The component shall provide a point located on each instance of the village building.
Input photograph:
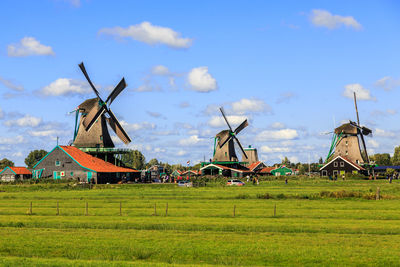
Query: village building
(282, 170)
(256, 166)
(266, 171)
(11, 174)
(340, 166)
(176, 173)
(69, 162)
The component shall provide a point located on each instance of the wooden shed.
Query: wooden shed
(10, 174)
(340, 166)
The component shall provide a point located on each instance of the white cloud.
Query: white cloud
(372, 143)
(160, 70)
(150, 34)
(29, 46)
(218, 121)
(44, 133)
(12, 140)
(11, 85)
(137, 126)
(159, 150)
(277, 125)
(181, 153)
(64, 86)
(323, 18)
(267, 149)
(387, 83)
(201, 81)
(383, 133)
(361, 92)
(249, 105)
(285, 97)
(147, 87)
(284, 134)
(26, 121)
(191, 140)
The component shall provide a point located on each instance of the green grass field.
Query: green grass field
(317, 222)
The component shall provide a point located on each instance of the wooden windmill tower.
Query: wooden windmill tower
(91, 133)
(348, 141)
(224, 147)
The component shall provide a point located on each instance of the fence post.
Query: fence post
(155, 209)
(275, 210)
(58, 209)
(30, 209)
(378, 193)
(166, 210)
(234, 210)
(120, 208)
(87, 208)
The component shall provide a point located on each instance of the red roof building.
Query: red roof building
(69, 162)
(9, 174)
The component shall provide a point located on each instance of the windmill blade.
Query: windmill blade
(226, 141)
(355, 104)
(241, 126)
(223, 114)
(365, 148)
(240, 145)
(82, 67)
(117, 90)
(117, 128)
(92, 117)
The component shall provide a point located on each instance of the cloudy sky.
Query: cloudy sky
(290, 67)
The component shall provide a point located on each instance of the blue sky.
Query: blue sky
(287, 66)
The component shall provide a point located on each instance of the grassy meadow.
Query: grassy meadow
(304, 222)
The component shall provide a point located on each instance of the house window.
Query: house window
(335, 173)
(342, 164)
(58, 163)
(324, 173)
(347, 142)
(72, 173)
(101, 137)
(347, 152)
(335, 164)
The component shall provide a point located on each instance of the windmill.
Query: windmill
(348, 140)
(95, 113)
(224, 147)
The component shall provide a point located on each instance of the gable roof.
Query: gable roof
(267, 169)
(358, 167)
(18, 170)
(92, 163)
(255, 165)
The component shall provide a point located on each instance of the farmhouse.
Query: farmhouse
(69, 162)
(10, 174)
(340, 166)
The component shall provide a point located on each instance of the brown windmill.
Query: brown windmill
(92, 131)
(224, 147)
(348, 141)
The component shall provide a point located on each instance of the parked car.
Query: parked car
(185, 183)
(235, 182)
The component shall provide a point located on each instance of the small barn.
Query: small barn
(282, 170)
(69, 162)
(11, 174)
(266, 171)
(340, 166)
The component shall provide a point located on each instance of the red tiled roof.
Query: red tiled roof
(267, 169)
(254, 165)
(93, 163)
(20, 170)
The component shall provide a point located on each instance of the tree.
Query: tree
(134, 159)
(381, 159)
(396, 156)
(34, 157)
(153, 162)
(286, 162)
(320, 161)
(6, 163)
